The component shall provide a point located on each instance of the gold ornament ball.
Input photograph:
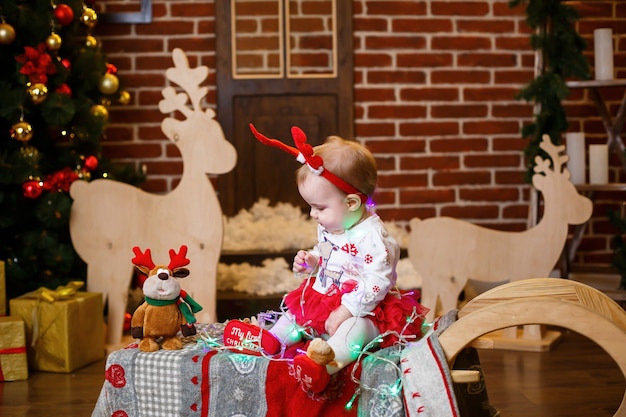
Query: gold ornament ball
(99, 112)
(108, 84)
(22, 131)
(53, 42)
(7, 34)
(38, 92)
(124, 97)
(91, 41)
(89, 17)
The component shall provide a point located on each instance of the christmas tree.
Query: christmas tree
(55, 89)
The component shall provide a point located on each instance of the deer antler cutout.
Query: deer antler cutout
(555, 152)
(188, 79)
(178, 259)
(173, 101)
(143, 259)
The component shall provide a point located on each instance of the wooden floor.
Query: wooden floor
(575, 378)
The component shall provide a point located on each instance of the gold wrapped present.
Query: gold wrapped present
(3, 291)
(13, 362)
(64, 327)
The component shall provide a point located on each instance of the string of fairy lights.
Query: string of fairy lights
(212, 341)
(303, 332)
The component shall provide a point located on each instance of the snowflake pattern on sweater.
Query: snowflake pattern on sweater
(360, 263)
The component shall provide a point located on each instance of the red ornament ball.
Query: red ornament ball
(32, 189)
(111, 69)
(66, 63)
(91, 163)
(64, 89)
(63, 14)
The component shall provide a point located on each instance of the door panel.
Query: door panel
(320, 104)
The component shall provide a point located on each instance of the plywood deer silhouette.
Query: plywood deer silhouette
(447, 252)
(109, 218)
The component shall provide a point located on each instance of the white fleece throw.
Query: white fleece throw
(428, 390)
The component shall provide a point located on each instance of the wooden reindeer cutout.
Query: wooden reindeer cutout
(447, 252)
(109, 218)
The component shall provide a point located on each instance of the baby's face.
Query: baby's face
(328, 204)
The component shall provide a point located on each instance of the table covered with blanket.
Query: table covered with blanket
(411, 380)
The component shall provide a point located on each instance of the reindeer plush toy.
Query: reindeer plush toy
(167, 308)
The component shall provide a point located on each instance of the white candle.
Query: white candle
(575, 147)
(603, 53)
(598, 164)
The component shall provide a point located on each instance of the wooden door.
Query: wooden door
(280, 63)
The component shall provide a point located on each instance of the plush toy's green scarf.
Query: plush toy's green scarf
(186, 305)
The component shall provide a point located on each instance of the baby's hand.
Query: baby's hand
(304, 262)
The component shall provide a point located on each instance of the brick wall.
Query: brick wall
(434, 100)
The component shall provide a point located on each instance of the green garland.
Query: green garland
(561, 47)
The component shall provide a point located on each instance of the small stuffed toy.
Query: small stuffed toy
(320, 352)
(311, 367)
(167, 308)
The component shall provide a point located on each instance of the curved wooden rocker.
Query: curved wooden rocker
(549, 301)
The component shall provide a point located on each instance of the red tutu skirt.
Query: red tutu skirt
(399, 313)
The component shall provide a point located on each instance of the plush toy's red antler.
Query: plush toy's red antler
(178, 259)
(143, 259)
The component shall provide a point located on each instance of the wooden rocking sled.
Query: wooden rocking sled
(546, 301)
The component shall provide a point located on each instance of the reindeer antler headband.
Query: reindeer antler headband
(303, 152)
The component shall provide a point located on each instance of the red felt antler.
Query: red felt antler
(273, 142)
(143, 259)
(313, 161)
(305, 154)
(178, 259)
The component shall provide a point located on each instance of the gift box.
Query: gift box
(13, 362)
(3, 291)
(64, 327)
